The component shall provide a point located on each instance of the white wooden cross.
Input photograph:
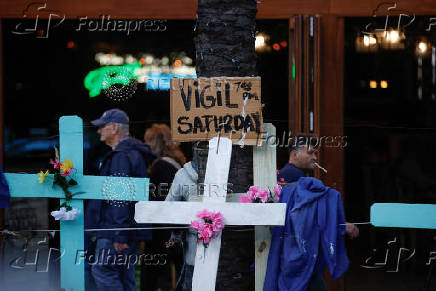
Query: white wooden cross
(217, 169)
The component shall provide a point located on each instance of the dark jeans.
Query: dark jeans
(155, 274)
(114, 271)
(89, 280)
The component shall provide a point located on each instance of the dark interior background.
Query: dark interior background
(389, 157)
(43, 80)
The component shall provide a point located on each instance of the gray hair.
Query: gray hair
(123, 128)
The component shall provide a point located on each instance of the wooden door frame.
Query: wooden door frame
(328, 101)
(332, 109)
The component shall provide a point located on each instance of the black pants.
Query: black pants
(152, 274)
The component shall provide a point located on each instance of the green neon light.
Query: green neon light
(102, 78)
(293, 71)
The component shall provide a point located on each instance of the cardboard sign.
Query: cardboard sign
(204, 108)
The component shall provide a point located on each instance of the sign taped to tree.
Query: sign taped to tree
(202, 108)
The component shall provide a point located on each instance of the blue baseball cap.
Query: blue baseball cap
(113, 115)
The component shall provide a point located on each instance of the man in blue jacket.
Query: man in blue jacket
(311, 239)
(302, 156)
(129, 158)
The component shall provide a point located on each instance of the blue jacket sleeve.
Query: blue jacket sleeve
(337, 263)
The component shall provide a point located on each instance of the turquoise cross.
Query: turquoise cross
(403, 215)
(71, 234)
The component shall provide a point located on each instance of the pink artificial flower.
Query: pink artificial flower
(208, 226)
(277, 191)
(254, 189)
(207, 230)
(217, 221)
(253, 192)
(56, 164)
(197, 224)
(264, 195)
(245, 199)
(216, 216)
(205, 234)
(206, 239)
(204, 214)
(67, 172)
(217, 225)
(252, 195)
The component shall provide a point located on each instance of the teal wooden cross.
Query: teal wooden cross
(403, 215)
(71, 232)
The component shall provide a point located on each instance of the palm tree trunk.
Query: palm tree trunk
(225, 47)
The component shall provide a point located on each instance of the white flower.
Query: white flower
(63, 214)
(58, 214)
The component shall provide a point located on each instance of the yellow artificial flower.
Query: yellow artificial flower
(66, 165)
(42, 176)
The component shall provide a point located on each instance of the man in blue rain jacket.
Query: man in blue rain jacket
(311, 239)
